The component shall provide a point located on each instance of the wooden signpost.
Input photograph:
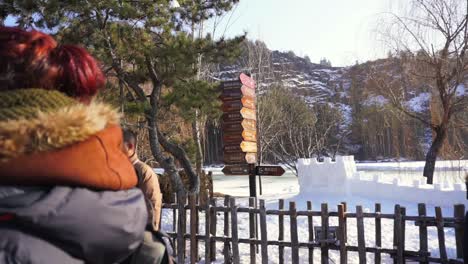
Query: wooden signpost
(240, 131)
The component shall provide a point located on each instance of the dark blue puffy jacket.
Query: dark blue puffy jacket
(69, 225)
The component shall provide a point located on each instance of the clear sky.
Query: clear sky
(343, 31)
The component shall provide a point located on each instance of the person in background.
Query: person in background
(67, 188)
(147, 180)
(153, 249)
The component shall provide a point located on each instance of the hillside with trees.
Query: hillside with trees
(366, 123)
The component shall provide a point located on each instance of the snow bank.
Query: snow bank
(413, 165)
(342, 177)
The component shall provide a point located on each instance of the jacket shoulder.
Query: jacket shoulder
(19, 247)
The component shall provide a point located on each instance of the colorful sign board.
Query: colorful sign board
(239, 121)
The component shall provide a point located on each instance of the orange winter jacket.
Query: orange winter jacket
(79, 145)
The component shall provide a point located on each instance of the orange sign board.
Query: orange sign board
(248, 146)
(249, 124)
(248, 102)
(248, 113)
(251, 158)
(248, 91)
(249, 135)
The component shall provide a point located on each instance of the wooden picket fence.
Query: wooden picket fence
(257, 213)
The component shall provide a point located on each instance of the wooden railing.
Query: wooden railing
(257, 214)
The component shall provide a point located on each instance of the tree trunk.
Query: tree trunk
(175, 150)
(431, 156)
(196, 133)
(166, 162)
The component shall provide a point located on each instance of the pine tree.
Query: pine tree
(142, 42)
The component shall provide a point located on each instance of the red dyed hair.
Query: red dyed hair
(32, 59)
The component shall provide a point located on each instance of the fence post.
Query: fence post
(441, 235)
(324, 244)
(342, 234)
(213, 222)
(459, 215)
(263, 231)
(227, 245)
(181, 229)
(281, 231)
(235, 237)
(403, 228)
(207, 231)
(398, 258)
(378, 233)
(252, 229)
(423, 248)
(311, 232)
(193, 230)
(360, 234)
(294, 236)
(345, 208)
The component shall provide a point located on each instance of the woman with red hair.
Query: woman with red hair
(66, 187)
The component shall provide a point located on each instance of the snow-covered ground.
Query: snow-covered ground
(286, 187)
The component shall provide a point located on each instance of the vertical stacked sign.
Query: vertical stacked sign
(239, 125)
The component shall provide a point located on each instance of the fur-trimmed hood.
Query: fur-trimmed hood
(55, 129)
(72, 145)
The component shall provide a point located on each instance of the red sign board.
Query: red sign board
(231, 84)
(232, 117)
(232, 148)
(234, 93)
(231, 95)
(240, 158)
(245, 124)
(232, 138)
(231, 106)
(244, 113)
(247, 81)
(236, 170)
(270, 170)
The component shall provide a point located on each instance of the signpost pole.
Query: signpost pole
(252, 180)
